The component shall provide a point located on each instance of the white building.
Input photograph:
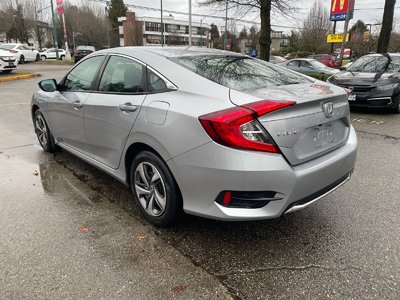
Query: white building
(176, 32)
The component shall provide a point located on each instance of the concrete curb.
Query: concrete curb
(18, 77)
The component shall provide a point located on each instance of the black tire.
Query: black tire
(62, 57)
(43, 57)
(166, 186)
(43, 133)
(396, 108)
(22, 59)
(37, 57)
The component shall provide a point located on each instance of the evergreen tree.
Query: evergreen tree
(117, 9)
(18, 30)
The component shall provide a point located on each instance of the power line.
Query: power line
(196, 14)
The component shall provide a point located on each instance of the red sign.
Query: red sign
(60, 10)
(339, 9)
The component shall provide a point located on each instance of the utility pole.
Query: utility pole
(346, 26)
(334, 31)
(54, 29)
(190, 23)
(162, 27)
(226, 24)
(107, 24)
(68, 55)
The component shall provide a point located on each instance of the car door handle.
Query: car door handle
(77, 104)
(127, 107)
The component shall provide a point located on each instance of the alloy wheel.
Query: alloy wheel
(150, 189)
(41, 130)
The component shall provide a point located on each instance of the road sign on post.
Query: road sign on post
(336, 38)
(339, 10)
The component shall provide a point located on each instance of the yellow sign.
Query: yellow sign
(336, 38)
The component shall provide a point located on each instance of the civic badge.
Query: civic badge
(328, 109)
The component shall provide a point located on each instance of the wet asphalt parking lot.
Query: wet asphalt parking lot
(68, 230)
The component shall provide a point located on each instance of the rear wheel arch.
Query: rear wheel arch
(130, 154)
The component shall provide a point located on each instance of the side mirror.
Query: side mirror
(48, 85)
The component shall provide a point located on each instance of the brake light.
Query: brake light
(238, 127)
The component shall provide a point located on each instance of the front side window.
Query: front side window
(122, 75)
(82, 77)
(239, 72)
(293, 63)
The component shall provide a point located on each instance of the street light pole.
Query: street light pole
(190, 23)
(226, 24)
(162, 27)
(55, 43)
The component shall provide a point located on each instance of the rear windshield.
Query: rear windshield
(376, 64)
(239, 72)
(90, 48)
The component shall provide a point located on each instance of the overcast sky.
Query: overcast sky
(370, 11)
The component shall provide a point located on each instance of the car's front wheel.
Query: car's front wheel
(22, 59)
(155, 190)
(43, 57)
(43, 133)
(62, 57)
(37, 57)
(396, 108)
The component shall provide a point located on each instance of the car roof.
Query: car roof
(170, 51)
(305, 59)
(378, 54)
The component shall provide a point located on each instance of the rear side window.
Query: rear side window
(122, 75)
(154, 82)
(239, 72)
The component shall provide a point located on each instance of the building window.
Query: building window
(153, 26)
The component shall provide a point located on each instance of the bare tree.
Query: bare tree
(6, 10)
(387, 23)
(315, 28)
(37, 14)
(263, 8)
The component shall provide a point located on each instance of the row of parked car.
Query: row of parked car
(13, 54)
(371, 81)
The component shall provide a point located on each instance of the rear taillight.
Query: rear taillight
(238, 127)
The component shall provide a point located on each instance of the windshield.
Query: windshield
(7, 46)
(239, 72)
(375, 64)
(318, 64)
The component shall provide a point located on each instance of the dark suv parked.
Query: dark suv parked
(81, 51)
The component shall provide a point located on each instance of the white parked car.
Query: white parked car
(51, 54)
(7, 62)
(21, 52)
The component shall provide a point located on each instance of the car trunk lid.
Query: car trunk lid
(306, 130)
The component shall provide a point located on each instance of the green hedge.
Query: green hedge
(322, 77)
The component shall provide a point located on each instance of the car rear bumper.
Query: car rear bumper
(203, 173)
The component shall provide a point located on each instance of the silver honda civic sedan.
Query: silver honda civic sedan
(201, 131)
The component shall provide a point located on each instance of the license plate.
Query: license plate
(352, 97)
(323, 135)
(11, 64)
